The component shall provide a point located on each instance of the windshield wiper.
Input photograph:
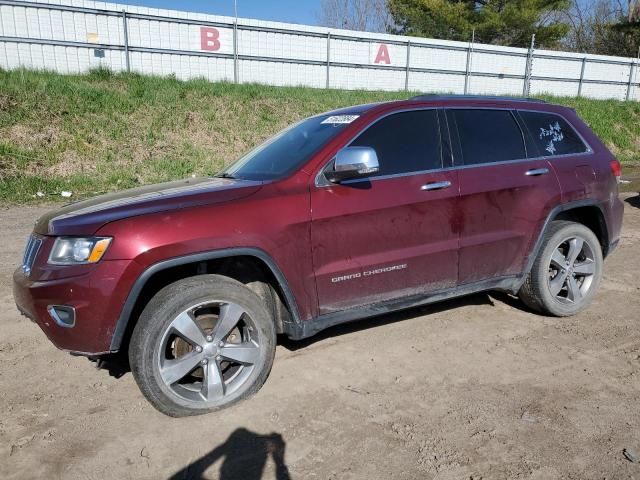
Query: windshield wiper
(224, 175)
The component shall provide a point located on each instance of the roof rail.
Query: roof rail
(436, 96)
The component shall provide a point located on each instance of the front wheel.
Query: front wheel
(567, 271)
(202, 344)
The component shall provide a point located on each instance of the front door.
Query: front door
(393, 234)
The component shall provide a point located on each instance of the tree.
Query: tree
(607, 27)
(627, 37)
(364, 15)
(500, 22)
(628, 30)
(589, 25)
(633, 11)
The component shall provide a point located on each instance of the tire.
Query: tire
(563, 281)
(202, 344)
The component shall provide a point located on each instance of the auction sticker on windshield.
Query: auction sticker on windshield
(335, 119)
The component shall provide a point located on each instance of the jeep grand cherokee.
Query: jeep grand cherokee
(342, 216)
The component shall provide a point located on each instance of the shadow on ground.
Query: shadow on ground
(633, 201)
(483, 298)
(118, 365)
(244, 455)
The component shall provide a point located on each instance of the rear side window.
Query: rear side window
(552, 134)
(404, 142)
(487, 136)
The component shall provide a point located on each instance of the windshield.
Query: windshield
(289, 149)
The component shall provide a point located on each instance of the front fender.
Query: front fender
(127, 309)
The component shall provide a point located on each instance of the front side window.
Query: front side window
(487, 136)
(405, 142)
(289, 149)
(552, 134)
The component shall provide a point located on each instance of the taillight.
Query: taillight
(616, 169)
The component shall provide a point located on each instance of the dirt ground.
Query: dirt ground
(476, 388)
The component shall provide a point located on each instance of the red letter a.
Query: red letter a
(383, 55)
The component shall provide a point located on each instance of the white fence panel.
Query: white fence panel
(557, 67)
(558, 88)
(72, 36)
(282, 74)
(424, 56)
(603, 92)
(436, 82)
(499, 63)
(496, 86)
(278, 45)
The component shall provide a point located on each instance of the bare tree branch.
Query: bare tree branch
(593, 26)
(364, 15)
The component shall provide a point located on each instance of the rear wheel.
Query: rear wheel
(202, 344)
(567, 271)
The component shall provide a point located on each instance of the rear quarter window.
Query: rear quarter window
(552, 135)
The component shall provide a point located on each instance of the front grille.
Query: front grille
(30, 252)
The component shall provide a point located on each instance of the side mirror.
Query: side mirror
(353, 162)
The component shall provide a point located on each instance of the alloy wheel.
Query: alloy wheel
(571, 270)
(208, 351)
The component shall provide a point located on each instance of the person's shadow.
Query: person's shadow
(633, 201)
(245, 456)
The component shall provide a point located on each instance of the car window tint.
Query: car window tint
(404, 142)
(487, 135)
(552, 134)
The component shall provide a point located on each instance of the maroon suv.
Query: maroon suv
(342, 216)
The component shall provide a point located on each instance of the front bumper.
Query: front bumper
(97, 298)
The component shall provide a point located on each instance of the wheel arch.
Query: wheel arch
(586, 212)
(162, 273)
(592, 217)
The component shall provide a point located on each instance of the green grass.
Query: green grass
(101, 132)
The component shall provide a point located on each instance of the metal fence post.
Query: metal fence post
(527, 72)
(328, 57)
(631, 72)
(584, 63)
(126, 39)
(235, 50)
(406, 74)
(467, 73)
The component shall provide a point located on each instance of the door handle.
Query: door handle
(436, 186)
(536, 172)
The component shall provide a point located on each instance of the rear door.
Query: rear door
(504, 195)
(391, 235)
(572, 160)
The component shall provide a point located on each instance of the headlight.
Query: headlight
(74, 251)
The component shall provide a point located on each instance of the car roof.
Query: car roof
(491, 98)
(446, 100)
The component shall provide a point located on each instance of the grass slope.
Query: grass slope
(100, 132)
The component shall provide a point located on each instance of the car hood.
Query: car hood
(87, 216)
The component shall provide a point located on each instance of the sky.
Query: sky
(291, 11)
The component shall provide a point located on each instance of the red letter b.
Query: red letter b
(209, 39)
